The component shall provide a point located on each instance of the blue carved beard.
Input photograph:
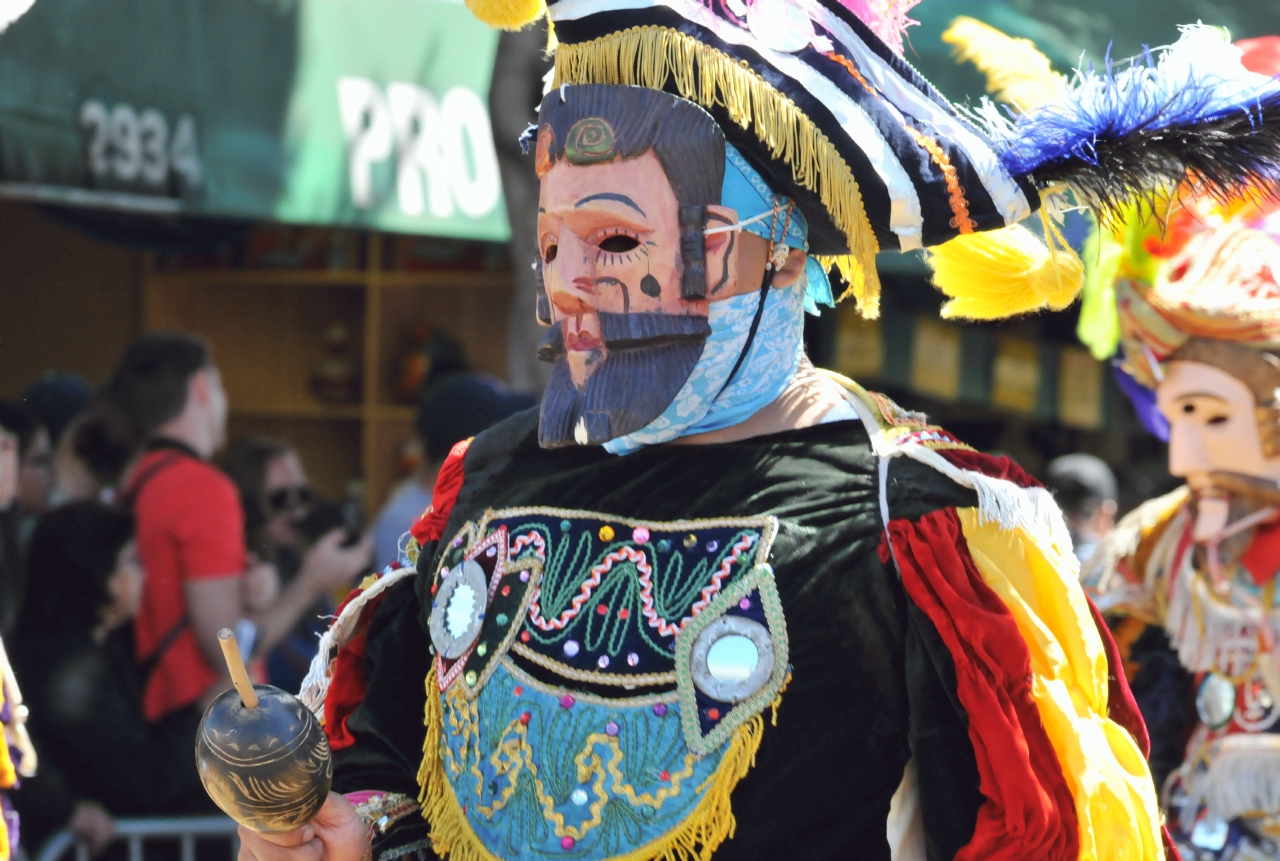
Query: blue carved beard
(650, 357)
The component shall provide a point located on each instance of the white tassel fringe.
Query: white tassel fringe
(316, 684)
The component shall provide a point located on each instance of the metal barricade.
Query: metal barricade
(185, 830)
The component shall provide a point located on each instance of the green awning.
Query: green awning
(361, 113)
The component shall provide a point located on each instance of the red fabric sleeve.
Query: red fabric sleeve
(430, 526)
(208, 522)
(1029, 811)
(1121, 706)
(990, 465)
(350, 678)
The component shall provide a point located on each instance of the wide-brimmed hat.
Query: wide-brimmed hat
(814, 96)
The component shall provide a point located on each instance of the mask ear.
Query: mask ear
(721, 252)
(693, 273)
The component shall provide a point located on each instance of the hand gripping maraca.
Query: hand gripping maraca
(262, 756)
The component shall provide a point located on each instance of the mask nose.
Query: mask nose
(1188, 454)
(570, 278)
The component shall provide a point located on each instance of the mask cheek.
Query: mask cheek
(621, 288)
(1235, 444)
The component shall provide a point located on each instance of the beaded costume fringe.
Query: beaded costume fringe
(650, 56)
(696, 839)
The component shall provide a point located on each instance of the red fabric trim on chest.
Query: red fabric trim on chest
(1028, 810)
(430, 526)
(1262, 559)
(990, 465)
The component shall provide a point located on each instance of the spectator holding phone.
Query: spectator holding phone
(190, 528)
(291, 529)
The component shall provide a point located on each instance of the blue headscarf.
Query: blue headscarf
(705, 403)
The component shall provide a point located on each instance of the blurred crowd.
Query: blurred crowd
(132, 531)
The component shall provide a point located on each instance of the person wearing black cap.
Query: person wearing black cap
(456, 406)
(1085, 489)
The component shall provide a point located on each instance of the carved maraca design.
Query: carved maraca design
(262, 756)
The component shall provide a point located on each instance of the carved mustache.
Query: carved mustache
(631, 331)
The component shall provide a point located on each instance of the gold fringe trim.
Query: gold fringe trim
(651, 56)
(695, 839)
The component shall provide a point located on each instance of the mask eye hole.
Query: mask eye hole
(619, 244)
(550, 253)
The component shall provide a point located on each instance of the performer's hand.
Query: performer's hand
(336, 833)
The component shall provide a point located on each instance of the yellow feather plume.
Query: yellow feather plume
(507, 14)
(1005, 272)
(1017, 73)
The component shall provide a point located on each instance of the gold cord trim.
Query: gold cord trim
(651, 56)
(696, 838)
(955, 192)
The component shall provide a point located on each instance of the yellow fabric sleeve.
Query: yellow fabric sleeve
(8, 776)
(1109, 779)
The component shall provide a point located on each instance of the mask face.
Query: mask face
(1212, 425)
(622, 338)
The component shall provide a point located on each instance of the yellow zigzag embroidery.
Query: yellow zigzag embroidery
(709, 824)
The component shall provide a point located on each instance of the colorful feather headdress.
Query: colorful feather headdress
(1192, 265)
(817, 97)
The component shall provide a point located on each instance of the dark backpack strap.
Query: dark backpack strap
(130, 496)
(148, 666)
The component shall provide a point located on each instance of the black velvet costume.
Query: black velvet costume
(872, 684)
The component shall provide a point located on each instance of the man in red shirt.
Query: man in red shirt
(190, 529)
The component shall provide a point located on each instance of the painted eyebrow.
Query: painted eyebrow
(1210, 395)
(609, 195)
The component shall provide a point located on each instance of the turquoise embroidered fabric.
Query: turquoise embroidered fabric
(576, 720)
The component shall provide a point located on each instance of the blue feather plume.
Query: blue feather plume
(1130, 132)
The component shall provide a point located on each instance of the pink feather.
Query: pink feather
(886, 18)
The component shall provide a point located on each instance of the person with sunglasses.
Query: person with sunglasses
(281, 520)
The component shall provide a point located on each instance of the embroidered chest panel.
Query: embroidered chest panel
(599, 681)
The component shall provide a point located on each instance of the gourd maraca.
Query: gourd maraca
(262, 756)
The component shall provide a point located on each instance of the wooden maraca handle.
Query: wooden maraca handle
(235, 664)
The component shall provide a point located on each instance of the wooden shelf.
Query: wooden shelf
(338, 412)
(325, 278)
(267, 325)
(258, 277)
(463, 279)
(395, 412)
